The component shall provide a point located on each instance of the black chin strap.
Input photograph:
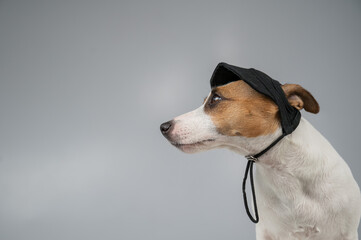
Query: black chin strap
(249, 169)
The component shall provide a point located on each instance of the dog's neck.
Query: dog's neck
(305, 141)
(292, 164)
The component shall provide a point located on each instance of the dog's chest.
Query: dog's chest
(283, 207)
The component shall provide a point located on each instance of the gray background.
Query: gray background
(85, 85)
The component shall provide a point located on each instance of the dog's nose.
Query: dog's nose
(165, 127)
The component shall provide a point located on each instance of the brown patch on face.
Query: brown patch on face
(242, 111)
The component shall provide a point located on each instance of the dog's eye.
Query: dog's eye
(215, 98)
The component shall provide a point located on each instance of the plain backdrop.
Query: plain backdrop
(84, 86)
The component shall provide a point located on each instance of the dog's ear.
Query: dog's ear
(300, 98)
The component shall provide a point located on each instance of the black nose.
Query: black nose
(165, 127)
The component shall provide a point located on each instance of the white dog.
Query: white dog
(304, 189)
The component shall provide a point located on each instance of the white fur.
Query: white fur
(305, 190)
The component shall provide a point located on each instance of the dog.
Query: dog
(304, 189)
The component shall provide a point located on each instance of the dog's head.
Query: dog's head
(230, 116)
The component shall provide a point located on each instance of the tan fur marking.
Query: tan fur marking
(243, 111)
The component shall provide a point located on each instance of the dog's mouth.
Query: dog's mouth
(195, 144)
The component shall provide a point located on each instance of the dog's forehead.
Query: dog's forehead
(235, 89)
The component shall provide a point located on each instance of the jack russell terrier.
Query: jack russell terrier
(304, 189)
